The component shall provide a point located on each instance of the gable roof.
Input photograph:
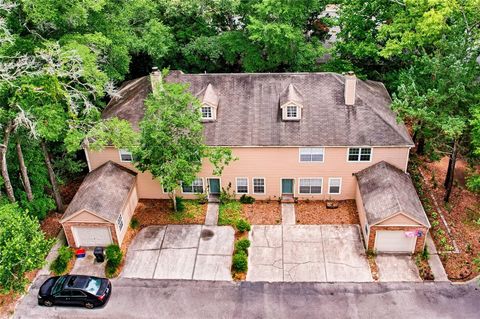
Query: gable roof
(387, 191)
(249, 114)
(103, 192)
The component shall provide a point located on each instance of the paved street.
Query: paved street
(139, 298)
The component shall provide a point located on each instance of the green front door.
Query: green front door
(287, 186)
(214, 185)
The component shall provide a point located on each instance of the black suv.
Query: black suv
(75, 290)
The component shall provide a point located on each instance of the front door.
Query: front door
(214, 185)
(287, 186)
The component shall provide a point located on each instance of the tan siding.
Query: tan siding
(86, 216)
(399, 220)
(273, 164)
(127, 213)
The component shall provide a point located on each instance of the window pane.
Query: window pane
(304, 182)
(206, 112)
(197, 185)
(353, 154)
(316, 189)
(317, 157)
(316, 182)
(242, 185)
(334, 185)
(291, 111)
(365, 154)
(334, 189)
(187, 188)
(335, 182)
(305, 157)
(305, 189)
(311, 154)
(125, 156)
(258, 185)
(120, 222)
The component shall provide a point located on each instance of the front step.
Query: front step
(213, 198)
(287, 199)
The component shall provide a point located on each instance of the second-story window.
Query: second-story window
(359, 154)
(311, 154)
(207, 113)
(125, 156)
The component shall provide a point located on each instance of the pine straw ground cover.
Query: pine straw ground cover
(462, 215)
(316, 213)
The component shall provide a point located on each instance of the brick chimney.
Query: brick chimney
(350, 88)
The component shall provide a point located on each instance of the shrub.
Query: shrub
(240, 262)
(114, 258)
(226, 195)
(245, 199)
(473, 183)
(180, 204)
(229, 213)
(242, 245)
(59, 265)
(134, 223)
(242, 225)
(202, 198)
(425, 254)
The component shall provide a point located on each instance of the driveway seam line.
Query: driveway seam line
(196, 254)
(283, 262)
(323, 252)
(159, 251)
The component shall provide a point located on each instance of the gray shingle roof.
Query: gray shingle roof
(387, 191)
(249, 111)
(103, 191)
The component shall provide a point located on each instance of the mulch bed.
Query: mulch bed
(160, 212)
(51, 224)
(373, 267)
(316, 212)
(458, 213)
(263, 212)
(69, 190)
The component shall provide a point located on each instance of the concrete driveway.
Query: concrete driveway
(181, 252)
(396, 268)
(320, 253)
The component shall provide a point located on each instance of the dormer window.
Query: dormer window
(292, 112)
(207, 112)
(291, 103)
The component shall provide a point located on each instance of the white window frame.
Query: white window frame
(264, 185)
(211, 112)
(312, 150)
(125, 152)
(330, 184)
(310, 178)
(236, 185)
(297, 113)
(359, 155)
(120, 222)
(192, 186)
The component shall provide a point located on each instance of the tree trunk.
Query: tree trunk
(24, 172)
(421, 146)
(174, 199)
(52, 177)
(3, 159)
(450, 172)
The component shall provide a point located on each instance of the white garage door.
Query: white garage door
(394, 242)
(92, 236)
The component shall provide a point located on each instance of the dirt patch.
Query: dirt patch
(51, 224)
(423, 266)
(316, 212)
(160, 212)
(69, 190)
(373, 266)
(263, 212)
(460, 215)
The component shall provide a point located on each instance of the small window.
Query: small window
(357, 154)
(292, 112)
(120, 222)
(259, 185)
(125, 156)
(310, 186)
(311, 154)
(334, 185)
(207, 112)
(196, 187)
(242, 185)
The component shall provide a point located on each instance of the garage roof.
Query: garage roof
(103, 192)
(387, 191)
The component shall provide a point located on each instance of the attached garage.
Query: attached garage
(101, 210)
(392, 217)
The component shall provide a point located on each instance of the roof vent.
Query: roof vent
(350, 88)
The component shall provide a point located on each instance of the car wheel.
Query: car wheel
(48, 303)
(89, 305)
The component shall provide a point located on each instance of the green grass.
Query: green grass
(229, 213)
(192, 209)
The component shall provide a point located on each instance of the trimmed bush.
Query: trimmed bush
(134, 223)
(59, 265)
(242, 245)
(114, 257)
(245, 199)
(242, 225)
(180, 204)
(240, 262)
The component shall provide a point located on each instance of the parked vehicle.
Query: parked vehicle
(76, 290)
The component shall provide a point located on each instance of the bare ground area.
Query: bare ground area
(316, 212)
(263, 212)
(160, 212)
(461, 214)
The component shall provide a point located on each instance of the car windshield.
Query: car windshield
(93, 285)
(58, 285)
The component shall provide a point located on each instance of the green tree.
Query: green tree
(23, 247)
(171, 140)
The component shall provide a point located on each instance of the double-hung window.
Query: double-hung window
(310, 186)
(242, 185)
(311, 154)
(259, 185)
(359, 154)
(125, 156)
(195, 187)
(334, 185)
(120, 222)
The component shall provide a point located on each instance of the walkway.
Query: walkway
(212, 214)
(288, 214)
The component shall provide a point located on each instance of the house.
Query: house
(303, 135)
